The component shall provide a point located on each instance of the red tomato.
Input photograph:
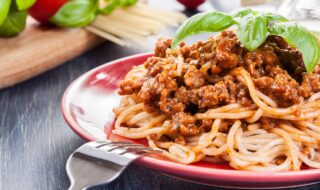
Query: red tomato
(191, 4)
(43, 10)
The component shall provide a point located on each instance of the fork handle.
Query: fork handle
(100, 162)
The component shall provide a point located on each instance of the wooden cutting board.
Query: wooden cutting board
(38, 49)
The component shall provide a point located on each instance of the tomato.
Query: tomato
(43, 10)
(191, 4)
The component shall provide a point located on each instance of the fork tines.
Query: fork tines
(123, 147)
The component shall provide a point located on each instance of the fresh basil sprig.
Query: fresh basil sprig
(76, 13)
(275, 17)
(13, 15)
(244, 13)
(13, 24)
(24, 4)
(113, 4)
(79, 13)
(202, 23)
(300, 38)
(127, 3)
(253, 29)
(4, 9)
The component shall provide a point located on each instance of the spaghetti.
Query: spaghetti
(133, 24)
(173, 102)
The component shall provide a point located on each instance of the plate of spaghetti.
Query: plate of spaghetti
(222, 112)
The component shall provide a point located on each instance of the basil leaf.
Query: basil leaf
(4, 9)
(252, 31)
(244, 13)
(126, 3)
(24, 4)
(275, 17)
(13, 24)
(113, 4)
(76, 13)
(201, 23)
(110, 7)
(302, 39)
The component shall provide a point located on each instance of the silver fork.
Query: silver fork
(100, 162)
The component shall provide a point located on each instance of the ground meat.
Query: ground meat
(167, 80)
(180, 140)
(310, 83)
(211, 95)
(206, 124)
(161, 46)
(281, 88)
(285, 90)
(258, 60)
(168, 104)
(227, 47)
(183, 95)
(225, 125)
(149, 94)
(186, 123)
(133, 81)
(238, 92)
(269, 76)
(253, 61)
(157, 91)
(205, 51)
(194, 78)
(129, 86)
(185, 50)
(268, 123)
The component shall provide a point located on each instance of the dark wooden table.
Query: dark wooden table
(35, 141)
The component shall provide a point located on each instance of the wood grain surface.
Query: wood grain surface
(35, 141)
(38, 49)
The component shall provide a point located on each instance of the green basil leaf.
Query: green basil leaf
(4, 9)
(252, 31)
(113, 4)
(76, 13)
(13, 24)
(202, 23)
(126, 3)
(110, 7)
(244, 13)
(275, 17)
(299, 37)
(24, 4)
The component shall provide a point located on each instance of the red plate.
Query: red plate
(87, 107)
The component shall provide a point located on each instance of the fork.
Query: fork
(100, 162)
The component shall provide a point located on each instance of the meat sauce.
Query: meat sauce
(205, 82)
